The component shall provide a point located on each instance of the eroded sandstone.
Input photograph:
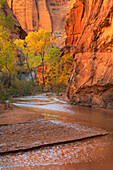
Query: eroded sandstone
(89, 28)
(18, 32)
(36, 14)
(47, 14)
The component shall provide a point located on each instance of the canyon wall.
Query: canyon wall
(89, 28)
(18, 32)
(47, 14)
(26, 13)
(36, 14)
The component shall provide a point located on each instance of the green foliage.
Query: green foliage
(7, 53)
(22, 87)
(2, 3)
(52, 57)
(34, 49)
(65, 68)
(3, 93)
(32, 59)
(6, 21)
(60, 68)
(1, 90)
(7, 49)
(7, 58)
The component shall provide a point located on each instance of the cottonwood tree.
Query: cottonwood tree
(60, 67)
(2, 3)
(30, 61)
(39, 43)
(7, 53)
(53, 62)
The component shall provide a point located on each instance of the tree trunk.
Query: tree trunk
(43, 72)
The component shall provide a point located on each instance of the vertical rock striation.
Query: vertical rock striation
(44, 15)
(89, 28)
(47, 14)
(26, 13)
(36, 14)
(18, 32)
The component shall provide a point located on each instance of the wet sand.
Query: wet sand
(92, 153)
(42, 132)
(16, 115)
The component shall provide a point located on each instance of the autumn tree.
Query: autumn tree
(53, 62)
(39, 43)
(66, 62)
(2, 3)
(7, 49)
(29, 59)
(60, 67)
(7, 53)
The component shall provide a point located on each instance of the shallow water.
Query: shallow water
(58, 108)
(84, 152)
(92, 154)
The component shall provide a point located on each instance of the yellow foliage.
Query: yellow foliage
(60, 69)
(39, 41)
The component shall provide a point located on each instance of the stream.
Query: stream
(88, 154)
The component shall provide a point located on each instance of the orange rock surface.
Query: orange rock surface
(19, 33)
(26, 13)
(89, 28)
(36, 14)
(39, 73)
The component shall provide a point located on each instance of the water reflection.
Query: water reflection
(93, 154)
(88, 151)
(56, 108)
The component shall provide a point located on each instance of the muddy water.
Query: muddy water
(94, 154)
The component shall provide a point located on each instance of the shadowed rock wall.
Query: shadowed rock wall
(89, 28)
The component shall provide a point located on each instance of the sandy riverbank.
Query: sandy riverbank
(21, 129)
(16, 115)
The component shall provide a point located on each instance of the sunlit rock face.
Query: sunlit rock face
(36, 14)
(19, 32)
(89, 28)
(26, 13)
(47, 14)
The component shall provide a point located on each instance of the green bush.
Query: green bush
(22, 87)
(3, 93)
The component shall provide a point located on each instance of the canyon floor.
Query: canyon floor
(46, 137)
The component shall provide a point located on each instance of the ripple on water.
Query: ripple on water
(84, 152)
(77, 152)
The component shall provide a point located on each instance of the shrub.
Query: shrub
(22, 87)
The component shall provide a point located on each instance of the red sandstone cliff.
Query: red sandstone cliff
(35, 14)
(19, 32)
(47, 14)
(89, 28)
(26, 13)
